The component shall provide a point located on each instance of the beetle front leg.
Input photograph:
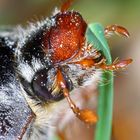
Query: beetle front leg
(116, 29)
(85, 115)
(116, 66)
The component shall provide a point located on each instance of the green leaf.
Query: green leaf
(95, 36)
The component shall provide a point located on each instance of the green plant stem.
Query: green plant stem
(105, 107)
(95, 36)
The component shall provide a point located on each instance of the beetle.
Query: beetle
(40, 65)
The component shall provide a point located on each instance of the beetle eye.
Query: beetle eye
(42, 85)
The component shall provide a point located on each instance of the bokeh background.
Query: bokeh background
(126, 117)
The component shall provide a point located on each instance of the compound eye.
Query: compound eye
(42, 85)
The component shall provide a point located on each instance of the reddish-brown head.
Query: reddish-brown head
(67, 36)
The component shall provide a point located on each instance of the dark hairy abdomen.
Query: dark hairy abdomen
(6, 63)
(15, 114)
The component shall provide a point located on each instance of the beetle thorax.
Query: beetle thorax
(65, 39)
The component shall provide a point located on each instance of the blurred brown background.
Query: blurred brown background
(126, 120)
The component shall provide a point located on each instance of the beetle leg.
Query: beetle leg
(116, 29)
(85, 63)
(85, 115)
(66, 5)
(116, 66)
(89, 62)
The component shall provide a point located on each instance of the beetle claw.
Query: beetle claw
(116, 29)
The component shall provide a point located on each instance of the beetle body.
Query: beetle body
(40, 66)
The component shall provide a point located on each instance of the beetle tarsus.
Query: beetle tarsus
(116, 29)
(117, 65)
